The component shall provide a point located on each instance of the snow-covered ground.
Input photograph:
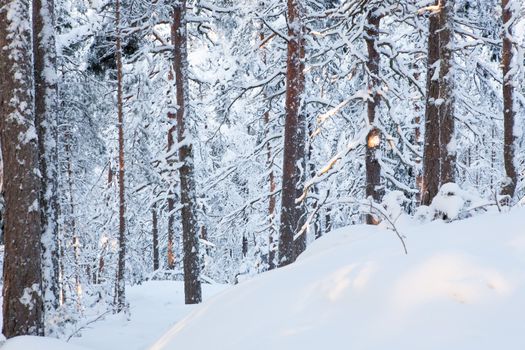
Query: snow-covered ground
(155, 306)
(461, 286)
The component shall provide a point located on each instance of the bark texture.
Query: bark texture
(190, 229)
(446, 93)
(22, 274)
(439, 153)
(292, 213)
(373, 139)
(509, 109)
(155, 237)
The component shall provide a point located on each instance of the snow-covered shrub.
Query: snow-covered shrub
(451, 203)
(393, 204)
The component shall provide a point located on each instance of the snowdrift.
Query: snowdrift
(38, 343)
(461, 286)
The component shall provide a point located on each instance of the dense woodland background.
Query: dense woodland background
(210, 140)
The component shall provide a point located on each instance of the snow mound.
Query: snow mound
(461, 286)
(38, 343)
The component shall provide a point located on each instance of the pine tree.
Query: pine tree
(439, 145)
(190, 229)
(509, 109)
(22, 273)
(292, 213)
(373, 139)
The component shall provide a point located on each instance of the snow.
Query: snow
(461, 286)
(449, 201)
(155, 306)
(38, 343)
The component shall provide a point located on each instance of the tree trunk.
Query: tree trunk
(373, 139)
(439, 152)
(171, 233)
(22, 274)
(446, 94)
(121, 268)
(292, 213)
(190, 238)
(155, 234)
(44, 58)
(509, 109)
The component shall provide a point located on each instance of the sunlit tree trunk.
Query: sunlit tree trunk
(373, 139)
(22, 273)
(293, 213)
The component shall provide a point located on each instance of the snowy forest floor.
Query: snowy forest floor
(155, 306)
(461, 286)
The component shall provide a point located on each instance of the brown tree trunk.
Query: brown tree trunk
(44, 60)
(438, 154)
(431, 155)
(373, 139)
(190, 238)
(509, 110)
(292, 213)
(121, 268)
(446, 94)
(22, 273)
(155, 234)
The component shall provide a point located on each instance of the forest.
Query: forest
(196, 146)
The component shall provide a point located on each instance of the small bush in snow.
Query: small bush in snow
(450, 203)
(393, 204)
